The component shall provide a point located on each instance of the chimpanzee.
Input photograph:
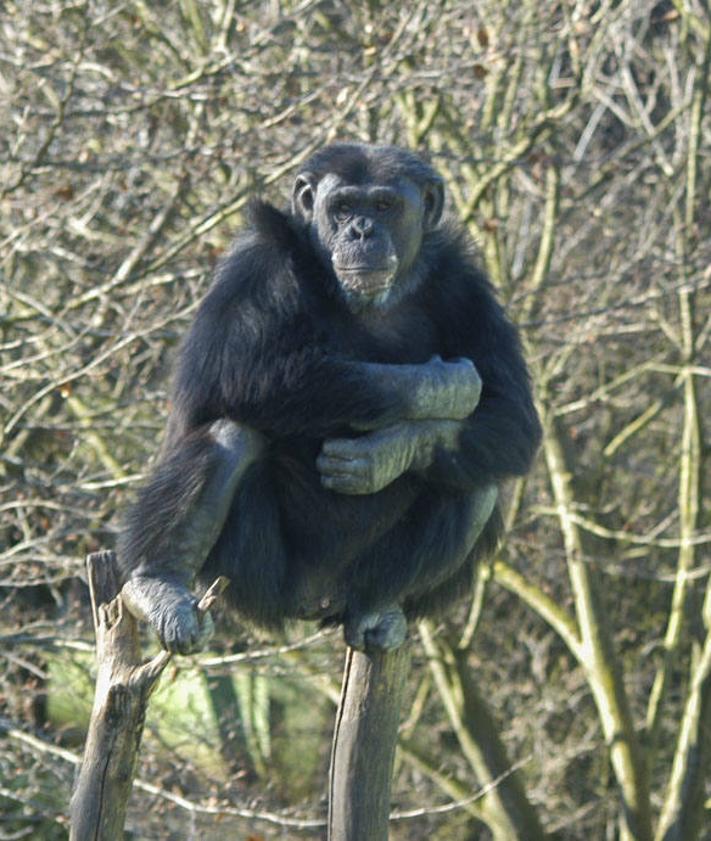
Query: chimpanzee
(346, 404)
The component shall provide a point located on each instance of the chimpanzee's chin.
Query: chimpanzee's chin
(363, 292)
(368, 284)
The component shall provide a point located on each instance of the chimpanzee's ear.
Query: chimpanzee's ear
(433, 198)
(303, 196)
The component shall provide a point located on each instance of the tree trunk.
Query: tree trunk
(123, 686)
(364, 744)
(103, 786)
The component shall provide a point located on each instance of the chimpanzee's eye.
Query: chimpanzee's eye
(383, 204)
(342, 209)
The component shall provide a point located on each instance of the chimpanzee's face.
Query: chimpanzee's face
(369, 233)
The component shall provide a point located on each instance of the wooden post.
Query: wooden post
(123, 686)
(364, 744)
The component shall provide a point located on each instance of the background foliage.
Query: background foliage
(574, 139)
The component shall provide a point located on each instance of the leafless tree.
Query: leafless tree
(573, 137)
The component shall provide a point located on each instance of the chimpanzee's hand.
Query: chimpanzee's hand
(171, 609)
(434, 390)
(446, 390)
(367, 464)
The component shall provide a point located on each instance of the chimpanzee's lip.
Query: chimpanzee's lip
(366, 282)
(363, 270)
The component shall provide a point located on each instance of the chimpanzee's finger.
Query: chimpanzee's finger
(350, 485)
(327, 465)
(345, 448)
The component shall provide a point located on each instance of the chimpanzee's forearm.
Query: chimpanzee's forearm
(317, 394)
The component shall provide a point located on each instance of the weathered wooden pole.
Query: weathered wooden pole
(123, 685)
(364, 742)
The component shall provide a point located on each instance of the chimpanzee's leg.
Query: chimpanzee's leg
(416, 558)
(176, 520)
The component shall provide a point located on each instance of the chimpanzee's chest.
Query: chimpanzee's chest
(404, 334)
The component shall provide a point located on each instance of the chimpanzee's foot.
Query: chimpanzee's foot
(385, 629)
(171, 609)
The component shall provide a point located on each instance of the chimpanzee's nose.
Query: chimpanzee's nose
(362, 227)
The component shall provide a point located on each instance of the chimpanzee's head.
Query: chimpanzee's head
(367, 209)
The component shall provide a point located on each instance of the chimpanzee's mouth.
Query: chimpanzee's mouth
(366, 281)
(364, 270)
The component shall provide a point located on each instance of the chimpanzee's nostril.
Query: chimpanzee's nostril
(362, 227)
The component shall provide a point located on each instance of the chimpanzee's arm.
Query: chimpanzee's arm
(497, 440)
(500, 438)
(447, 452)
